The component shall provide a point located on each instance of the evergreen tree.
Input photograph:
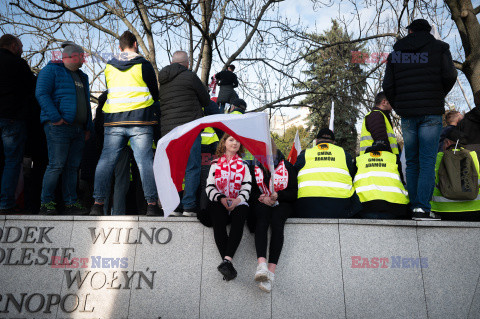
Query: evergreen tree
(333, 76)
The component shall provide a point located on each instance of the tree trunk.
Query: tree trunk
(465, 17)
(207, 52)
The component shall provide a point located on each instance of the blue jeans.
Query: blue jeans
(192, 175)
(14, 134)
(116, 138)
(65, 148)
(122, 183)
(421, 135)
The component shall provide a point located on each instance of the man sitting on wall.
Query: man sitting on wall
(379, 184)
(325, 187)
(456, 175)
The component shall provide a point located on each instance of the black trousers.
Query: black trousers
(227, 244)
(274, 217)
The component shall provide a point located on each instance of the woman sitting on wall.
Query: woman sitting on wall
(228, 189)
(272, 209)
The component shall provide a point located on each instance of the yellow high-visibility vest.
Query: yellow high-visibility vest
(127, 91)
(325, 173)
(366, 139)
(442, 204)
(378, 178)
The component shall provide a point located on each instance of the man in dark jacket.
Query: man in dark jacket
(325, 186)
(419, 75)
(227, 81)
(182, 96)
(17, 88)
(377, 126)
(64, 97)
(130, 115)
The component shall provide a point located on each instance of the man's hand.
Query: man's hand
(87, 135)
(62, 121)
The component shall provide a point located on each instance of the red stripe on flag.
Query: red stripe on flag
(178, 150)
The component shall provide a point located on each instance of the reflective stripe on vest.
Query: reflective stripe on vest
(325, 173)
(442, 204)
(378, 178)
(366, 139)
(127, 91)
(209, 136)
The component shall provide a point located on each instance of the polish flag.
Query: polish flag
(173, 150)
(296, 149)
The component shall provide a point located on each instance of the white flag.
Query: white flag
(251, 130)
(435, 33)
(332, 117)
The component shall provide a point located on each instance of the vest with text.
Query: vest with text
(325, 173)
(378, 178)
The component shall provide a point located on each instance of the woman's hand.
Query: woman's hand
(224, 202)
(234, 203)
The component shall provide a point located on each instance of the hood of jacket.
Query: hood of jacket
(123, 63)
(474, 115)
(414, 42)
(170, 72)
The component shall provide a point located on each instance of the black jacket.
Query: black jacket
(470, 126)
(227, 78)
(419, 74)
(182, 96)
(17, 87)
(375, 123)
(145, 116)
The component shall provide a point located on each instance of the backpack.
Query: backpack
(457, 175)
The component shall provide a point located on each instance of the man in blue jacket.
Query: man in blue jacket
(64, 97)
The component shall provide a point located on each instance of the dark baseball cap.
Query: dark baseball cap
(239, 103)
(325, 133)
(419, 25)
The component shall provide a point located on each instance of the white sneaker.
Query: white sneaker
(175, 214)
(189, 214)
(267, 285)
(262, 272)
(434, 216)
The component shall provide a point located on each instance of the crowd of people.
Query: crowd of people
(49, 120)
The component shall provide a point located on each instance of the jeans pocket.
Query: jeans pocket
(433, 120)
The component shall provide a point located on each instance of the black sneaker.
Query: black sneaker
(48, 209)
(420, 214)
(227, 270)
(76, 209)
(96, 210)
(153, 210)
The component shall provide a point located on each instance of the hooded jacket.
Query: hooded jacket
(57, 95)
(418, 76)
(17, 87)
(182, 96)
(144, 116)
(470, 126)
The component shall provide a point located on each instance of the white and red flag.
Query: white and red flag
(296, 149)
(173, 150)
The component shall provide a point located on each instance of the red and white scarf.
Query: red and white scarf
(229, 175)
(280, 179)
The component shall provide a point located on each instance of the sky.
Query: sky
(317, 20)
